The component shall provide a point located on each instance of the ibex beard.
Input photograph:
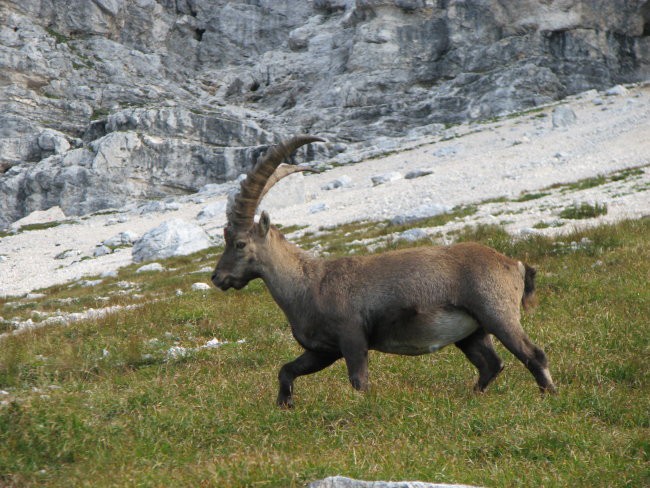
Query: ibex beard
(410, 302)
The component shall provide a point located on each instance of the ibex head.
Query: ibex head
(245, 239)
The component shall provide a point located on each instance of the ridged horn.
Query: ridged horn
(283, 171)
(241, 212)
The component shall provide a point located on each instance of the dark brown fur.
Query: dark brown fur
(529, 300)
(411, 301)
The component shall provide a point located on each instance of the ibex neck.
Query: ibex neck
(289, 272)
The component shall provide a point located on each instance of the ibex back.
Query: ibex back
(411, 302)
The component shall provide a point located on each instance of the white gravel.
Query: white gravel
(469, 164)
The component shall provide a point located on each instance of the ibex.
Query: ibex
(410, 301)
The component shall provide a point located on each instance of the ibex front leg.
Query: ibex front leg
(309, 362)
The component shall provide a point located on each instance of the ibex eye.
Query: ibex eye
(241, 245)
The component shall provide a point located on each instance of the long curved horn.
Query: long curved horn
(242, 211)
(283, 171)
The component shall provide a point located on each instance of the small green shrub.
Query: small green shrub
(583, 211)
(531, 196)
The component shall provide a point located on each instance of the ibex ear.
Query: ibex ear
(264, 224)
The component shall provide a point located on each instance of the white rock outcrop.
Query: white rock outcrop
(172, 238)
(344, 482)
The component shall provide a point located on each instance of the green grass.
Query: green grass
(100, 403)
(99, 113)
(58, 37)
(583, 211)
(44, 225)
(546, 225)
(336, 240)
(37, 226)
(525, 197)
(592, 182)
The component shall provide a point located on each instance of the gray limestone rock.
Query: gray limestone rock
(151, 267)
(418, 173)
(318, 207)
(101, 250)
(386, 178)
(200, 286)
(343, 181)
(68, 253)
(117, 100)
(412, 235)
(53, 141)
(126, 238)
(344, 482)
(212, 211)
(563, 116)
(172, 238)
(617, 90)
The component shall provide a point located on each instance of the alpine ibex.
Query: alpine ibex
(411, 301)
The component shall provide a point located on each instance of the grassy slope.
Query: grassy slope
(98, 404)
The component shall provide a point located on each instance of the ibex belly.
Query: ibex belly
(423, 333)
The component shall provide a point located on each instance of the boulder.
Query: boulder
(386, 178)
(215, 210)
(126, 238)
(53, 141)
(172, 238)
(446, 151)
(418, 173)
(343, 482)
(68, 253)
(617, 90)
(563, 116)
(412, 235)
(155, 267)
(200, 286)
(318, 207)
(101, 250)
(343, 181)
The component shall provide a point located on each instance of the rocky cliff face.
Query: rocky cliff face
(106, 100)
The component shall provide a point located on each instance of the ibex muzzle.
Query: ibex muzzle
(412, 301)
(235, 268)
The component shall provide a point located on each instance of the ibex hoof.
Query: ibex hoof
(359, 384)
(478, 388)
(548, 390)
(285, 403)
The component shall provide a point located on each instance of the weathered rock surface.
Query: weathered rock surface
(150, 267)
(107, 101)
(342, 182)
(125, 238)
(386, 178)
(343, 482)
(563, 117)
(172, 238)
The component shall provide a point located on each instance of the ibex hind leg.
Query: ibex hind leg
(513, 337)
(355, 353)
(478, 348)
